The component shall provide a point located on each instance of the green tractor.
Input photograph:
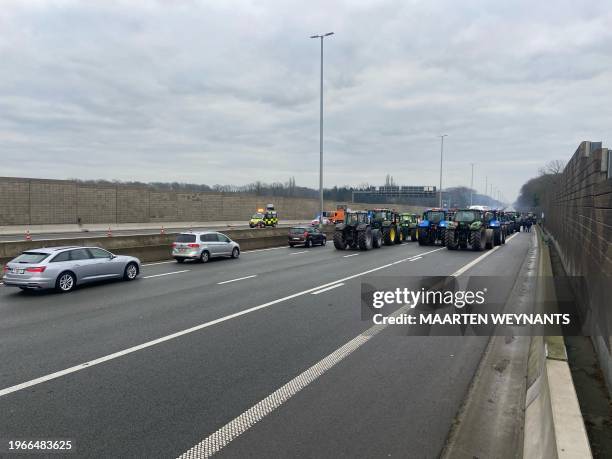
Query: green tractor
(356, 232)
(388, 222)
(468, 228)
(408, 226)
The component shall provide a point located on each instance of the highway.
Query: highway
(264, 356)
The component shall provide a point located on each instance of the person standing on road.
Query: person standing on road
(528, 224)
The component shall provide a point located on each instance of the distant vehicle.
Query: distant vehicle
(432, 227)
(468, 228)
(63, 268)
(257, 220)
(325, 221)
(478, 207)
(299, 235)
(203, 245)
(262, 218)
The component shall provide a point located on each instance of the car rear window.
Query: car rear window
(299, 230)
(30, 257)
(185, 238)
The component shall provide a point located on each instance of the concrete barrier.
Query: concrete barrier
(554, 427)
(148, 247)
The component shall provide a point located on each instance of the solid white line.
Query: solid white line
(328, 288)
(351, 255)
(233, 429)
(297, 253)
(415, 258)
(106, 358)
(236, 280)
(166, 274)
(460, 271)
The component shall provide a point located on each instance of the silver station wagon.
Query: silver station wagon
(63, 268)
(203, 246)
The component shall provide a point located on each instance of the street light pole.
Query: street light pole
(441, 156)
(321, 129)
(472, 185)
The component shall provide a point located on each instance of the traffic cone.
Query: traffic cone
(109, 233)
(162, 232)
(27, 235)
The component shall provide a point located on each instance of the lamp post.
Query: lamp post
(472, 185)
(321, 128)
(441, 157)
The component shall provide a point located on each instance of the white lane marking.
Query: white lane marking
(351, 255)
(233, 429)
(297, 253)
(415, 258)
(460, 271)
(265, 250)
(106, 358)
(159, 263)
(328, 288)
(166, 274)
(236, 280)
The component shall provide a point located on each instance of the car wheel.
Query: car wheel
(291, 245)
(324, 241)
(205, 256)
(131, 271)
(235, 252)
(66, 282)
(307, 244)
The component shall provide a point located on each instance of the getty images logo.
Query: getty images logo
(408, 297)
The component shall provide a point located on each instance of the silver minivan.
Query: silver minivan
(203, 246)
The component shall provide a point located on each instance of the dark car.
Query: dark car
(308, 236)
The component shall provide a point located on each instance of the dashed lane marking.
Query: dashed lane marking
(236, 280)
(166, 274)
(328, 288)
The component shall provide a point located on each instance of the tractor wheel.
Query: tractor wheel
(413, 234)
(489, 239)
(450, 242)
(443, 237)
(389, 235)
(423, 238)
(377, 240)
(497, 237)
(503, 238)
(476, 240)
(339, 241)
(399, 236)
(364, 239)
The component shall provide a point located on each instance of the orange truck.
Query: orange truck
(337, 216)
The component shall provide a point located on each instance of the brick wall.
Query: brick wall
(578, 214)
(46, 202)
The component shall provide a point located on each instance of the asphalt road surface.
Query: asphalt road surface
(264, 356)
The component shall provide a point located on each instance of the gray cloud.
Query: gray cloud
(227, 92)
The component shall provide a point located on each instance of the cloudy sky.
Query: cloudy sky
(227, 91)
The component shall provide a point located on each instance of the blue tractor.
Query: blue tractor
(498, 225)
(432, 228)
